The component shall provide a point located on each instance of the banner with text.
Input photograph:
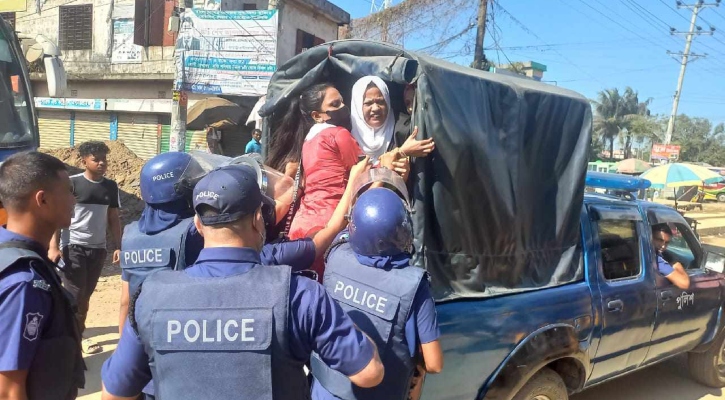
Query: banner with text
(665, 152)
(226, 52)
(124, 51)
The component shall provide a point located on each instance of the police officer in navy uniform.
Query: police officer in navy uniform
(165, 238)
(368, 273)
(228, 327)
(40, 351)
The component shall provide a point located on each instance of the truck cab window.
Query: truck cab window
(680, 248)
(620, 249)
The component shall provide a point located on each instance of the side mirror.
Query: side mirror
(714, 262)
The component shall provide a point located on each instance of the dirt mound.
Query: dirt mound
(124, 167)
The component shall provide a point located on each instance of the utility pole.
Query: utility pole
(179, 103)
(177, 136)
(690, 34)
(384, 23)
(479, 59)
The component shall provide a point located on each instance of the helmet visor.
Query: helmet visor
(381, 177)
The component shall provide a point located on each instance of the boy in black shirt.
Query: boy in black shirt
(82, 250)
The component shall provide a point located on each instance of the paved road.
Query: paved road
(669, 380)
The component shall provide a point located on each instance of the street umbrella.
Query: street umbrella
(679, 174)
(632, 166)
(215, 112)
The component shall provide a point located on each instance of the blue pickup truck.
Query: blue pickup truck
(620, 316)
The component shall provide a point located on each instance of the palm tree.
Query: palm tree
(615, 112)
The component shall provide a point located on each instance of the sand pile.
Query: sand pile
(124, 167)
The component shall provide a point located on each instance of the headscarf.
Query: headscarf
(373, 141)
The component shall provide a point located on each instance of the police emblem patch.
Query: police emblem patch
(32, 326)
(41, 284)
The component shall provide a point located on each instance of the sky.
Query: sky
(591, 45)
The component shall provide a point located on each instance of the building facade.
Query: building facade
(119, 57)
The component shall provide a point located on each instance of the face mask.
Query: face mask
(262, 236)
(340, 117)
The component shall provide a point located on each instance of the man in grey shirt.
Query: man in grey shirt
(82, 251)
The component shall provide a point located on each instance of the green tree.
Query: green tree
(615, 114)
(699, 141)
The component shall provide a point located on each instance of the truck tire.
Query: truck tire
(544, 385)
(721, 197)
(708, 368)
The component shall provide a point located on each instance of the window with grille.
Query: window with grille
(9, 17)
(76, 27)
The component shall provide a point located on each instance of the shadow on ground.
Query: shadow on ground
(669, 380)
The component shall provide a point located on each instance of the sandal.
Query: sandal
(90, 347)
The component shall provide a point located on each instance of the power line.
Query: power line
(530, 32)
(653, 15)
(674, 11)
(647, 18)
(617, 22)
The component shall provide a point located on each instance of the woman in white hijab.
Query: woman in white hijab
(373, 123)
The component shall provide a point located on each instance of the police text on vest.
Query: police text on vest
(194, 331)
(370, 300)
(144, 256)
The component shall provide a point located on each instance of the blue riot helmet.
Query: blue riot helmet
(172, 176)
(277, 188)
(380, 222)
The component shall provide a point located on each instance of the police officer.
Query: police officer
(166, 238)
(228, 327)
(41, 352)
(368, 270)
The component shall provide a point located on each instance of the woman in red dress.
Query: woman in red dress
(316, 129)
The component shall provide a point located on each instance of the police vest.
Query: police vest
(143, 254)
(220, 338)
(379, 302)
(57, 369)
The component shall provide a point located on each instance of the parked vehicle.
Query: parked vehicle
(541, 290)
(18, 119)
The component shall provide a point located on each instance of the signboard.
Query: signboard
(70, 104)
(12, 5)
(227, 52)
(665, 152)
(142, 105)
(124, 51)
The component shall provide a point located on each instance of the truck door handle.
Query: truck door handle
(666, 295)
(615, 306)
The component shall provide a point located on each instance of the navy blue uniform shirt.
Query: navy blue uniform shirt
(663, 266)
(316, 323)
(25, 310)
(298, 254)
(421, 326)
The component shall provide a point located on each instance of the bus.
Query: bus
(18, 118)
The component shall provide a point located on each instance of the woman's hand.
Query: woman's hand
(360, 168)
(417, 148)
(402, 167)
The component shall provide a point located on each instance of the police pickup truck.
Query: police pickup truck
(619, 316)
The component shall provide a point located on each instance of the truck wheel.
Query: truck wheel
(708, 368)
(721, 197)
(544, 385)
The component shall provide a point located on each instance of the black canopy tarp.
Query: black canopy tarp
(497, 205)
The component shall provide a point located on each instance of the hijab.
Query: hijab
(373, 141)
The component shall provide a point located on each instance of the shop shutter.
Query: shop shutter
(139, 132)
(91, 126)
(54, 129)
(195, 140)
(234, 141)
